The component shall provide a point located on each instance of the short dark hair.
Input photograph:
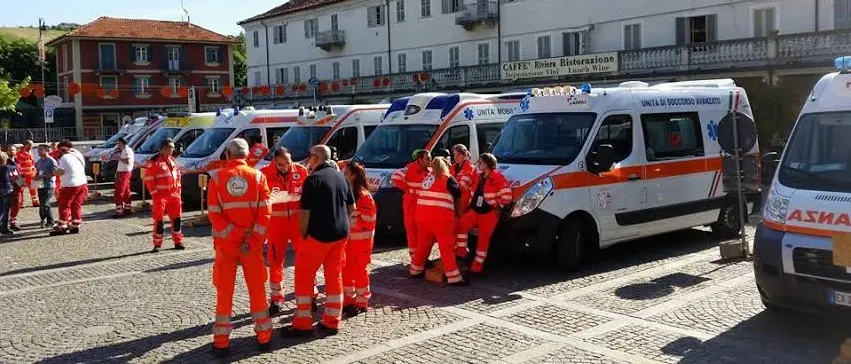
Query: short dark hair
(256, 139)
(166, 142)
(281, 151)
(489, 160)
(65, 143)
(420, 153)
(122, 140)
(44, 146)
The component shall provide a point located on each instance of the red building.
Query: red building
(132, 67)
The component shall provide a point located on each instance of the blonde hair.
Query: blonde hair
(439, 166)
(4, 158)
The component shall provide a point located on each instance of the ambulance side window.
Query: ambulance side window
(273, 135)
(672, 136)
(455, 135)
(617, 132)
(346, 142)
(367, 130)
(249, 134)
(486, 133)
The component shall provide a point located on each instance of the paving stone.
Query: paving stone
(556, 320)
(573, 355)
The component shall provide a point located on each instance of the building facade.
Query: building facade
(367, 49)
(112, 69)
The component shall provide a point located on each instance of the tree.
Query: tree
(19, 60)
(9, 95)
(240, 62)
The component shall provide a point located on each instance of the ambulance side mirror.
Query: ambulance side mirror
(334, 155)
(602, 159)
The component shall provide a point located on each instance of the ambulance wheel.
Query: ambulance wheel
(571, 245)
(728, 224)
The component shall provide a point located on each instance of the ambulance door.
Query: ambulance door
(619, 192)
(456, 134)
(345, 139)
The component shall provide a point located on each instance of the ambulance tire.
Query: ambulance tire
(728, 225)
(573, 245)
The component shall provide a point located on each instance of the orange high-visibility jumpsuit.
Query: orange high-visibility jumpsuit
(359, 252)
(239, 211)
(491, 193)
(284, 226)
(26, 168)
(163, 183)
(256, 154)
(436, 203)
(466, 176)
(409, 180)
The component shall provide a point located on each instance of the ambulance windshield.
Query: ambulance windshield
(208, 142)
(818, 156)
(298, 140)
(390, 146)
(155, 141)
(111, 142)
(546, 139)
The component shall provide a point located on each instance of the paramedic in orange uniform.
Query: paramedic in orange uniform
(327, 204)
(439, 204)
(238, 200)
(257, 152)
(286, 180)
(490, 194)
(465, 174)
(359, 247)
(409, 180)
(26, 168)
(163, 183)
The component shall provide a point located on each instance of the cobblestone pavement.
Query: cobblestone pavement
(99, 296)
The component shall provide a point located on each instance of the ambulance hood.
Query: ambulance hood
(520, 175)
(818, 210)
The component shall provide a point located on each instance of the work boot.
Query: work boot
(274, 309)
(462, 253)
(58, 231)
(417, 276)
(313, 306)
(429, 264)
(264, 346)
(323, 331)
(289, 332)
(350, 311)
(179, 247)
(221, 352)
(118, 215)
(14, 227)
(156, 249)
(74, 230)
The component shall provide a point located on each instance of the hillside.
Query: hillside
(30, 34)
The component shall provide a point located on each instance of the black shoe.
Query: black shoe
(350, 311)
(221, 352)
(429, 264)
(14, 227)
(179, 247)
(462, 283)
(7, 232)
(274, 309)
(74, 230)
(289, 331)
(57, 232)
(314, 306)
(264, 346)
(155, 250)
(323, 331)
(117, 216)
(417, 276)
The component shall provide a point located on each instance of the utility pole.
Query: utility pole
(42, 60)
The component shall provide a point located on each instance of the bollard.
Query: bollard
(144, 204)
(96, 170)
(202, 219)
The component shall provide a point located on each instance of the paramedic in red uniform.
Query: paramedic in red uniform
(490, 194)
(257, 152)
(409, 180)
(238, 199)
(26, 168)
(16, 203)
(359, 247)
(285, 180)
(438, 205)
(163, 182)
(465, 174)
(75, 189)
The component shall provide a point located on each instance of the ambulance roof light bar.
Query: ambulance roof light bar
(843, 64)
(558, 90)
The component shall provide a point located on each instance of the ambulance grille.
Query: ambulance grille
(833, 198)
(818, 263)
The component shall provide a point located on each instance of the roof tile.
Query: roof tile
(293, 6)
(117, 28)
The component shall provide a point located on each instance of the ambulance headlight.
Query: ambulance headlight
(776, 207)
(533, 197)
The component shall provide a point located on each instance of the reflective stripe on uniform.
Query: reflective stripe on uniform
(363, 235)
(259, 229)
(281, 213)
(332, 311)
(224, 232)
(436, 204)
(367, 218)
(303, 300)
(258, 315)
(264, 326)
(214, 208)
(302, 313)
(222, 330)
(337, 298)
(239, 205)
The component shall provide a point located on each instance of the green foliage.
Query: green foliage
(19, 61)
(9, 94)
(240, 63)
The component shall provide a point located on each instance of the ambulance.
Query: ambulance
(432, 121)
(209, 148)
(802, 248)
(343, 127)
(131, 132)
(593, 167)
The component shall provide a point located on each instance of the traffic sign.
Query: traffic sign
(48, 115)
(52, 101)
(313, 81)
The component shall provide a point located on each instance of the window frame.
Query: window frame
(145, 86)
(355, 68)
(401, 62)
(279, 34)
(311, 27)
(142, 50)
(487, 58)
(757, 9)
(215, 50)
(509, 43)
(335, 70)
(618, 158)
(457, 50)
(312, 71)
(340, 154)
(446, 134)
(630, 45)
(256, 35)
(548, 50)
(114, 56)
(213, 88)
(175, 86)
(425, 9)
(378, 66)
(400, 11)
(697, 152)
(430, 65)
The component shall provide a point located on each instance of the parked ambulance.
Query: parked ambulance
(343, 127)
(802, 248)
(430, 121)
(131, 132)
(209, 148)
(591, 168)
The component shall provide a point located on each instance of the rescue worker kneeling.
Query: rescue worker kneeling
(438, 205)
(239, 211)
(491, 194)
(359, 247)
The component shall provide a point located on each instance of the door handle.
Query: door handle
(633, 177)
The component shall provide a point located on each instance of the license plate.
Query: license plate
(840, 298)
(842, 250)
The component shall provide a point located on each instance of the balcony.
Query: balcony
(330, 39)
(789, 51)
(482, 12)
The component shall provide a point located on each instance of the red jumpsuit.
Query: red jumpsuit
(256, 154)
(163, 182)
(359, 252)
(409, 180)
(238, 200)
(26, 167)
(436, 201)
(467, 179)
(490, 194)
(284, 227)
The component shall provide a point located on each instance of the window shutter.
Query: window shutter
(307, 29)
(444, 6)
(712, 28)
(370, 16)
(150, 53)
(682, 29)
(583, 42)
(132, 53)
(165, 58)
(627, 37)
(769, 20)
(840, 14)
(636, 36)
(182, 58)
(757, 23)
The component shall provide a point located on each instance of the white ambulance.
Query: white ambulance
(594, 167)
(135, 133)
(344, 127)
(802, 249)
(432, 121)
(209, 148)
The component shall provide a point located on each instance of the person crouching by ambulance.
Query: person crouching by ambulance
(359, 247)
(285, 179)
(409, 179)
(465, 174)
(438, 205)
(163, 182)
(491, 193)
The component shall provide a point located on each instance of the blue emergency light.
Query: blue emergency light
(586, 88)
(218, 112)
(842, 63)
(236, 110)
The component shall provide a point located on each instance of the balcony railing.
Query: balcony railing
(481, 12)
(330, 39)
(752, 54)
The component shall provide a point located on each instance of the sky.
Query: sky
(217, 15)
